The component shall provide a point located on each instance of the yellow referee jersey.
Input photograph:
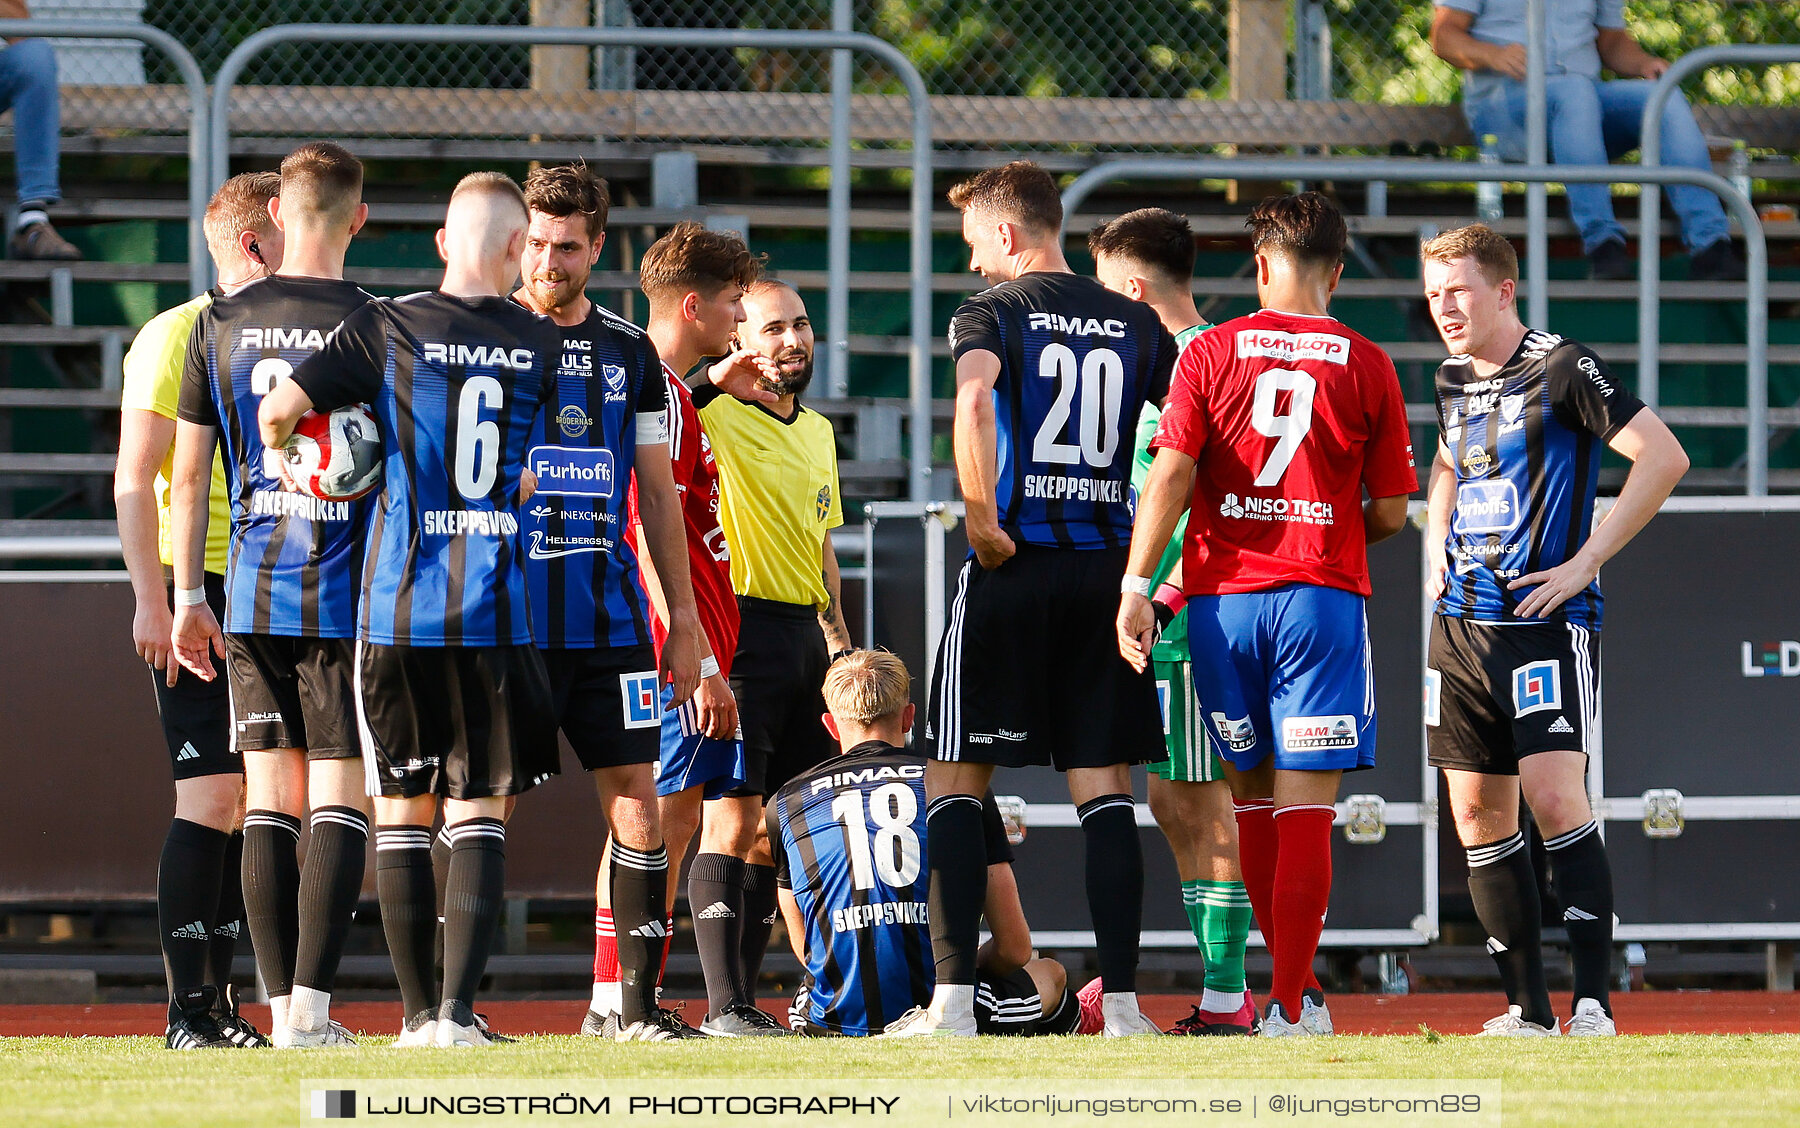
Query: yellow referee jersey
(153, 383)
(779, 484)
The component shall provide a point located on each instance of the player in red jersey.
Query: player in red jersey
(1276, 424)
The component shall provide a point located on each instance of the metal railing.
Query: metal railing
(199, 183)
(1650, 203)
(1756, 392)
(919, 351)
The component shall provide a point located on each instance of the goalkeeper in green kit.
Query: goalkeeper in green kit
(1148, 256)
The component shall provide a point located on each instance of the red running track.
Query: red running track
(1652, 1012)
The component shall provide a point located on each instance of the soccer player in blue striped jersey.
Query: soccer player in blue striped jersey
(453, 701)
(290, 597)
(606, 421)
(1052, 370)
(1512, 680)
(848, 838)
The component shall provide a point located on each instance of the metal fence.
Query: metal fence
(1374, 51)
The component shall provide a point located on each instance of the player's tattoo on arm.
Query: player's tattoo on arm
(837, 632)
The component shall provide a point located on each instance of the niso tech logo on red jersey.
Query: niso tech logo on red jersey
(1296, 509)
(1291, 347)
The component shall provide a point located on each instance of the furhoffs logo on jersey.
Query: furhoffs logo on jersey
(488, 356)
(1328, 347)
(573, 421)
(638, 692)
(1305, 734)
(1485, 507)
(1537, 686)
(573, 471)
(614, 375)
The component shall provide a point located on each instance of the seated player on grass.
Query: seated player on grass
(848, 837)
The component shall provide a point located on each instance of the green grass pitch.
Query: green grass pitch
(1674, 1080)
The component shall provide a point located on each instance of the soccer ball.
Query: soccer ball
(337, 456)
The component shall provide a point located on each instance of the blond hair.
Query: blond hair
(1493, 252)
(241, 204)
(866, 686)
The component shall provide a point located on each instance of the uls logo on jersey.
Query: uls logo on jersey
(1302, 734)
(1237, 732)
(573, 421)
(614, 375)
(638, 692)
(1485, 507)
(1537, 686)
(823, 502)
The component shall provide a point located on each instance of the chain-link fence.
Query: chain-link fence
(1378, 49)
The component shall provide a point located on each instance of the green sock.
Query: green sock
(1221, 921)
(1190, 902)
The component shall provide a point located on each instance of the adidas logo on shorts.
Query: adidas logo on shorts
(772, 917)
(1561, 725)
(194, 931)
(718, 910)
(1573, 913)
(188, 752)
(652, 930)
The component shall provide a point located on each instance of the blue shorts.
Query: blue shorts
(1287, 672)
(690, 759)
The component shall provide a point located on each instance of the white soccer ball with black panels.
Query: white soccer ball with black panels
(335, 456)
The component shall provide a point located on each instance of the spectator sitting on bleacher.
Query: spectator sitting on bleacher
(28, 89)
(1591, 120)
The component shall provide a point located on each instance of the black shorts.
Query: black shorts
(1007, 1004)
(196, 714)
(777, 675)
(462, 722)
(291, 692)
(1498, 692)
(1028, 670)
(607, 701)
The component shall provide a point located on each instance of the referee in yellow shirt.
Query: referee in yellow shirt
(199, 893)
(779, 479)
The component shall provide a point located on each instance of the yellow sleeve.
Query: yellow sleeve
(836, 516)
(154, 363)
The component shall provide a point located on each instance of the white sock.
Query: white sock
(308, 1008)
(1217, 1001)
(608, 998)
(1119, 1002)
(29, 216)
(278, 1010)
(953, 1002)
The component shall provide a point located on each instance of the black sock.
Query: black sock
(1504, 888)
(1582, 878)
(187, 903)
(229, 924)
(440, 878)
(1115, 886)
(716, 896)
(403, 882)
(760, 911)
(639, 884)
(474, 896)
(957, 849)
(330, 883)
(272, 895)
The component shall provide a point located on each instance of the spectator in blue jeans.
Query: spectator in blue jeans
(28, 89)
(1591, 120)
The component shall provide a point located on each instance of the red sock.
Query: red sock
(606, 948)
(1302, 892)
(1256, 856)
